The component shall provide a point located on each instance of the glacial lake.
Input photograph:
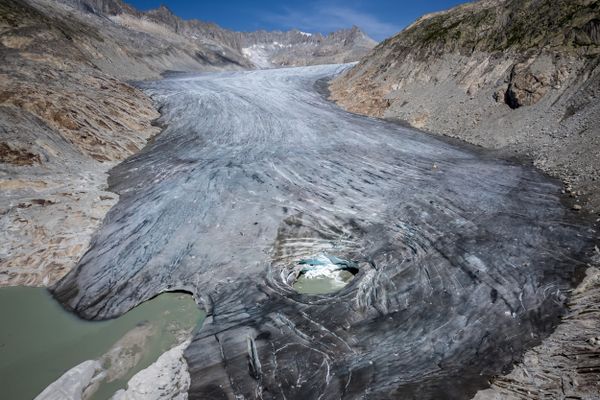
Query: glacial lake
(39, 340)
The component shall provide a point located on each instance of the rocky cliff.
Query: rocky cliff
(63, 123)
(521, 76)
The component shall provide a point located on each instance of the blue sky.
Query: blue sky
(379, 19)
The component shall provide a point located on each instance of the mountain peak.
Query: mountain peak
(215, 46)
(162, 9)
(164, 15)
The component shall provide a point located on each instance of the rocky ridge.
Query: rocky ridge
(518, 76)
(221, 47)
(296, 48)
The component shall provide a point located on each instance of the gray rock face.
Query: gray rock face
(464, 260)
(73, 384)
(63, 124)
(166, 379)
(527, 84)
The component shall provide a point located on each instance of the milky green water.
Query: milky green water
(39, 340)
(322, 284)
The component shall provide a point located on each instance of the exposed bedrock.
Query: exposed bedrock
(464, 259)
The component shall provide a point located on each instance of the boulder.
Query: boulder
(73, 383)
(167, 378)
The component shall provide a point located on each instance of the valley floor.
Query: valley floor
(465, 259)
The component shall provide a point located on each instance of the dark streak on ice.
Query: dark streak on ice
(463, 265)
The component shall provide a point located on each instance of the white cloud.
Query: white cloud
(331, 17)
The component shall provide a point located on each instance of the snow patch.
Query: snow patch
(257, 55)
